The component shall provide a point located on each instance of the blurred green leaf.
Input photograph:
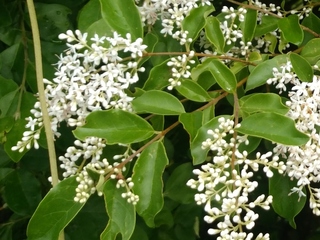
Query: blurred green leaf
(22, 192)
(123, 16)
(291, 30)
(116, 126)
(267, 25)
(52, 19)
(122, 217)
(89, 14)
(176, 186)
(301, 67)
(273, 127)
(214, 33)
(285, 203)
(193, 91)
(157, 102)
(55, 211)
(147, 178)
(311, 51)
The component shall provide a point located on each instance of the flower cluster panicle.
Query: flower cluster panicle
(89, 77)
(220, 182)
(128, 194)
(302, 162)
(229, 28)
(270, 8)
(180, 68)
(172, 13)
(283, 76)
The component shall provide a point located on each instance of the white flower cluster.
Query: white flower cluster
(101, 169)
(180, 68)
(92, 75)
(171, 13)
(271, 8)
(221, 183)
(89, 77)
(303, 162)
(229, 29)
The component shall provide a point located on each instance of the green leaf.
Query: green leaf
(311, 51)
(116, 126)
(263, 102)
(176, 187)
(268, 24)
(53, 19)
(273, 127)
(193, 91)
(4, 172)
(122, 217)
(221, 73)
(301, 67)
(263, 72)
(214, 33)
(7, 86)
(157, 102)
(291, 30)
(191, 122)
(9, 103)
(285, 203)
(249, 25)
(22, 192)
(90, 221)
(196, 20)
(147, 179)
(55, 211)
(158, 77)
(89, 14)
(123, 16)
(100, 27)
(199, 155)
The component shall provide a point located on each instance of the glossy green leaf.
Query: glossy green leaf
(122, 217)
(191, 122)
(55, 211)
(285, 203)
(176, 187)
(157, 102)
(263, 71)
(116, 126)
(193, 91)
(312, 21)
(267, 25)
(214, 33)
(22, 192)
(301, 67)
(123, 16)
(100, 27)
(263, 102)
(221, 73)
(249, 25)
(273, 127)
(199, 155)
(158, 77)
(196, 20)
(147, 178)
(311, 51)
(291, 30)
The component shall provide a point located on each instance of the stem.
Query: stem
(42, 97)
